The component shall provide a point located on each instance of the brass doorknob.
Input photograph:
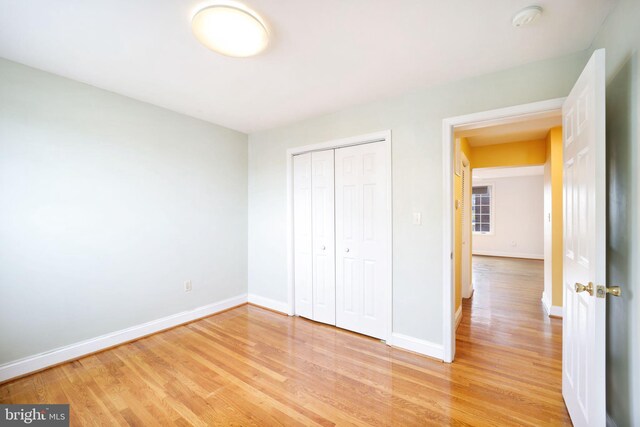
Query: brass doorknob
(581, 288)
(614, 290)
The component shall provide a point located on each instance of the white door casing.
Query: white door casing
(465, 210)
(322, 184)
(362, 239)
(583, 326)
(302, 251)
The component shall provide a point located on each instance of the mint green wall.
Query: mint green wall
(415, 120)
(620, 36)
(107, 205)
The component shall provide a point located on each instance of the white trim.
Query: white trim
(551, 310)
(416, 345)
(508, 254)
(458, 316)
(382, 136)
(475, 120)
(269, 303)
(74, 351)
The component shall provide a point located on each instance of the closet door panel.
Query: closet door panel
(362, 243)
(324, 303)
(303, 238)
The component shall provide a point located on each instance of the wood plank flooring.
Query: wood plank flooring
(250, 366)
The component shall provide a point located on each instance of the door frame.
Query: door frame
(382, 136)
(470, 121)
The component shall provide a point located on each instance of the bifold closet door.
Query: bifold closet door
(302, 236)
(314, 236)
(322, 193)
(363, 284)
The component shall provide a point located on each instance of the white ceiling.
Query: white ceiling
(325, 54)
(508, 172)
(525, 130)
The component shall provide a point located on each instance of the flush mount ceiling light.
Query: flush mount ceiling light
(230, 29)
(526, 16)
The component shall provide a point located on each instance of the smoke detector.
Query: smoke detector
(526, 16)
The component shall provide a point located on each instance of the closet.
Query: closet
(342, 244)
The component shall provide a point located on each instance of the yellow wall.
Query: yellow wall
(457, 182)
(525, 153)
(554, 146)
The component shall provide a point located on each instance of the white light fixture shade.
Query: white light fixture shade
(230, 30)
(526, 16)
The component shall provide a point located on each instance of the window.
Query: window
(481, 209)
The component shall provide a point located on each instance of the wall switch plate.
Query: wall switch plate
(417, 218)
(187, 286)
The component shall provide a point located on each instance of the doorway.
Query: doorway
(455, 149)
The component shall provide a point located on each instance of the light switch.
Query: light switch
(417, 218)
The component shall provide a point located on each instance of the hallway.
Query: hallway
(505, 331)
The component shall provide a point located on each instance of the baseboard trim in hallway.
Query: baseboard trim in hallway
(551, 310)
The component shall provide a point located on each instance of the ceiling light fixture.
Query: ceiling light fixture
(526, 16)
(230, 29)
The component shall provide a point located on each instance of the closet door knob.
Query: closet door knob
(323, 247)
(346, 250)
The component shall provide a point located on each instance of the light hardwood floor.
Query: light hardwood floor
(250, 366)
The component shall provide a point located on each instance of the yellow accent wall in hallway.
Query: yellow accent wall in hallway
(523, 153)
(466, 149)
(554, 157)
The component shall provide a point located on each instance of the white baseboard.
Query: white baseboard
(74, 351)
(467, 293)
(417, 345)
(458, 316)
(509, 254)
(269, 303)
(551, 310)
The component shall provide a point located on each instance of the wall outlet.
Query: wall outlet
(187, 286)
(417, 218)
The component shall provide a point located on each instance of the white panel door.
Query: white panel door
(324, 284)
(302, 232)
(363, 284)
(583, 325)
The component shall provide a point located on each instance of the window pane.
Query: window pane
(481, 209)
(480, 190)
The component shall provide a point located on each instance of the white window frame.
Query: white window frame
(492, 211)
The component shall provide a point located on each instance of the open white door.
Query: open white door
(583, 325)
